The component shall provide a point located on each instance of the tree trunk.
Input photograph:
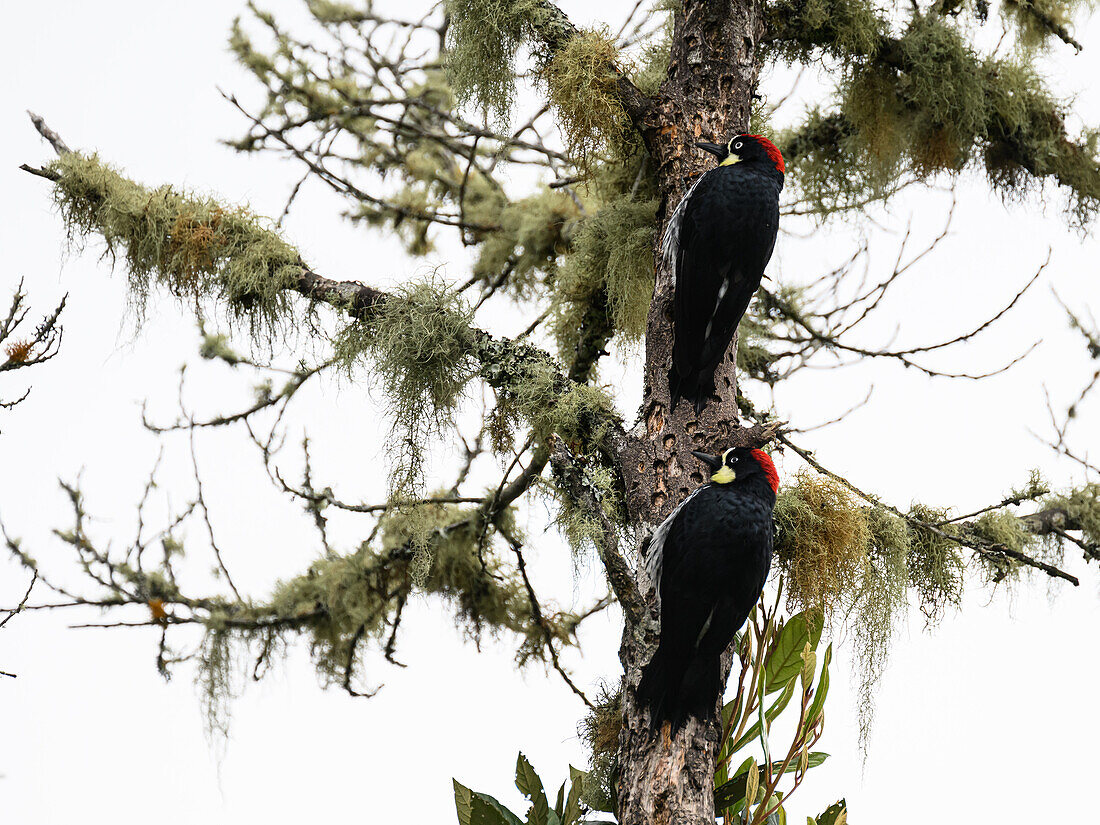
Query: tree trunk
(713, 70)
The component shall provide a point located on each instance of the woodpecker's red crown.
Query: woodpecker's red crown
(762, 458)
(773, 152)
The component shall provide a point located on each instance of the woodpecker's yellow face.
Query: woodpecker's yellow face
(725, 473)
(733, 149)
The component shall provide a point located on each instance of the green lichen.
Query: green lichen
(534, 234)
(420, 345)
(802, 30)
(532, 390)
(327, 11)
(927, 102)
(877, 607)
(437, 549)
(651, 68)
(611, 267)
(197, 249)
(214, 679)
(581, 86)
(935, 565)
(599, 730)
(215, 346)
(482, 41)
(1037, 21)
(1082, 509)
(1026, 140)
(582, 529)
(1002, 529)
(822, 541)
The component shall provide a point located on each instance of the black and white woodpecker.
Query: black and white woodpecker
(718, 242)
(708, 562)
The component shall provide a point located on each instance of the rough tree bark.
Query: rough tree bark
(707, 95)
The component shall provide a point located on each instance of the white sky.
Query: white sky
(991, 717)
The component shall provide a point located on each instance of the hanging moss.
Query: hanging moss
(437, 549)
(217, 347)
(1082, 508)
(583, 530)
(612, 266)
(194, 247)
(534, 233)
(924, 102)
(599, 730)
(420, 345)
(327, 11)
(822, 541)
(1037, 21)
(652, 65)
(1027, 141)
(801, 30)
(532, 389)
(1002, 529)
(935, 564)
(581, 86)
(482, 41)
(581, 416)
(214, 678)
(933, 109)
(878, 606)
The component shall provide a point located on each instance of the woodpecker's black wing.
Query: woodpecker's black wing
(720, 240)
(715, 554)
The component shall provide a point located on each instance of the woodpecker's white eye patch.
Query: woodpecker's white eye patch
(738, 145)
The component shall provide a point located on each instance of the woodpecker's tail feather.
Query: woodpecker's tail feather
(673, 387)
(694, 388)
(658, 686)
(676, 690)
(699, 689)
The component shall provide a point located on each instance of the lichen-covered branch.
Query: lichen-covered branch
(594, 517)
(926, 100)
(19, 351)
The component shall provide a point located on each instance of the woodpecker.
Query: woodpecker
(708, 562)
(718, 242)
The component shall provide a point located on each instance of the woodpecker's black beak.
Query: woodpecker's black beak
(716, 149)
(712, 461)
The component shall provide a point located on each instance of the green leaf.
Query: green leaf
(559, 806)
(463, 802)
(530, 786)
(762, 719)
(817, 704)
(770, 715)
(784, 660)
(835, 814)
(573, 808)
(485, 810)
(733, 791)
(527, 780)
(816, 758)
